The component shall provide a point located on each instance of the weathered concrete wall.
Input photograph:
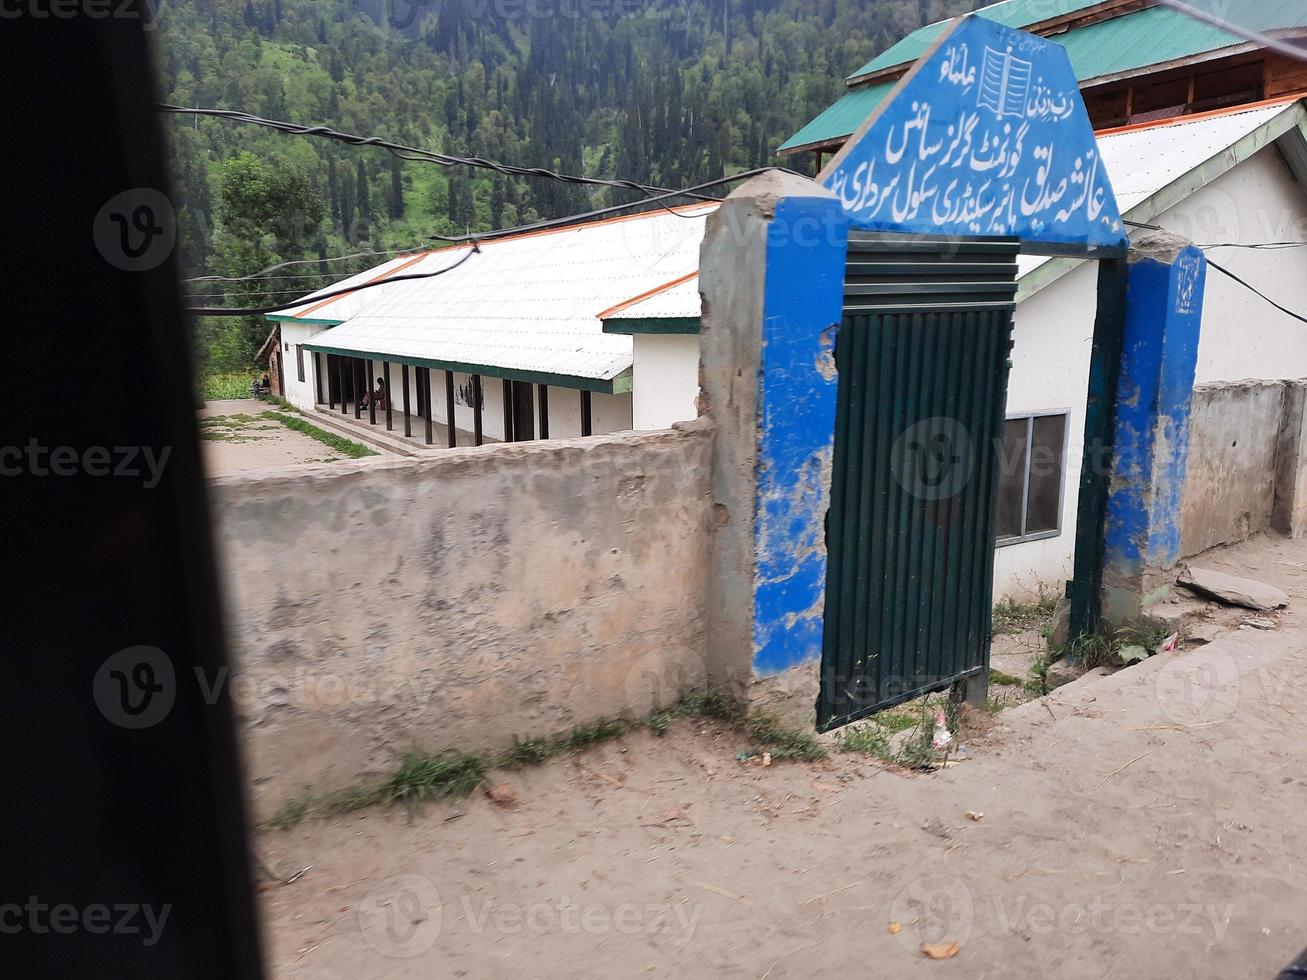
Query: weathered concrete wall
(1163, 316)
(1234, 440)
(772, 281)
(734, 249)
(460, 600)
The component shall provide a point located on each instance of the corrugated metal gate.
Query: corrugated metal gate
(923, 371)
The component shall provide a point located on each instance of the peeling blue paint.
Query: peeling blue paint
(803, 299)
(1158, 365)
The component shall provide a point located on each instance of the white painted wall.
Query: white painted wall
(1243, 336)
(611, 413)
(1053, 334)
(298, 393)
(666, 380)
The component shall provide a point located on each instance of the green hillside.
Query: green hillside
(670, 92)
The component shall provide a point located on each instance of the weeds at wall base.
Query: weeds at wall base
(422, 777)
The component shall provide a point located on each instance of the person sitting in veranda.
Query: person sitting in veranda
(377, 397)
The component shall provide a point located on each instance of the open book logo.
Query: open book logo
(1005, 83)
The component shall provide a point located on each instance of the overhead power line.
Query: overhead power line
(319, 297)
(413, 152)
(1224, 271)
(1265, 40)
(581, 219)
(263, 273)
(1249, 286)
(477, 239)
(1256, 245)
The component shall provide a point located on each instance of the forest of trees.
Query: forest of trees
(667, 92)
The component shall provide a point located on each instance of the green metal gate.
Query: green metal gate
(923, 370)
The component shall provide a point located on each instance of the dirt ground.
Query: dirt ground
(1148, 824)
(257, 444)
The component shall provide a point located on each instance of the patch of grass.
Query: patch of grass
(229, 428)
(340, 444)
(1092, 650)
(1011, 617)
(431, 777)
(869, 739)
(916, 751)
(764, 730)
(997, 704)
(452, 774)
(533, 751)
(896, 720)
(769, 734)
(1147, 633)
(229, 385)
(291, 812)
(1038, 683)
(708, 704)
(237, 421)
(1006, 680)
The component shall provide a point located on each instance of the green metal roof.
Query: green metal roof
(843, 117)
(1149, 37)
(1009, 13)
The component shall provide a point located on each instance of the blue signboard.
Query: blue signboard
(987, 135)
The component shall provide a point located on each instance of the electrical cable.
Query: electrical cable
(1249, 286)
(483, 237)
(1255, 245)
(1224, 271)
(580, 219)
(331, 258)
(1265, 40)
(413, 153)
(319, 297)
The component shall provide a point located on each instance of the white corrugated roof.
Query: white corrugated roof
(1141, 163)
(527, 303)
(676, 299)
(343, 307)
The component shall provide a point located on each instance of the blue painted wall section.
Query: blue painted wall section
(1160, 357)
(803, 303)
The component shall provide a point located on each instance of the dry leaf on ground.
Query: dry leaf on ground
(941, 951)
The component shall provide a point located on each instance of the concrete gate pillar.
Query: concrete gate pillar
(1164, 308)
(772, 279)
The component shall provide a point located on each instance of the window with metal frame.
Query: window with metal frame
(299, 359)
(1032, 467)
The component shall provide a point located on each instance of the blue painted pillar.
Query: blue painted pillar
(803, 305)
(772, 280)
(1164, 308)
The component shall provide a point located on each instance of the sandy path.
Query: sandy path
(257, 445)
(1148, 824)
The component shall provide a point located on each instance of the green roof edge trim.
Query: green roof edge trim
(653, 325)
(290, 318)
(612, 386)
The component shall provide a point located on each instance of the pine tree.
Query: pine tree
(497, 202)
(364, 204)
(333, 193)
(396, 202)
(347, 203)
